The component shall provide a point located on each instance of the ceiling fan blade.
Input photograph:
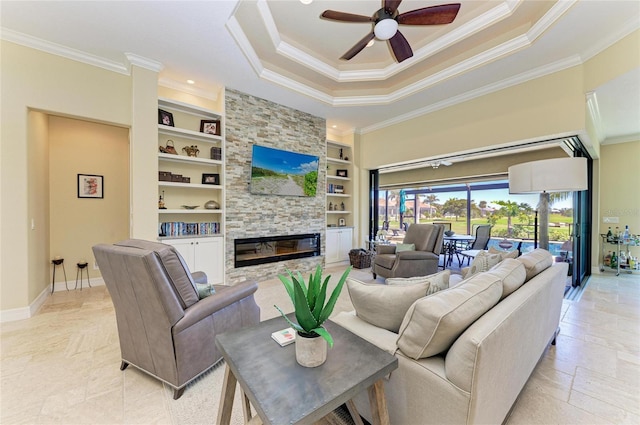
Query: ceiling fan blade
(400, 47)
(392, 5)
(434, 15)
(357, 48)
(344, 17)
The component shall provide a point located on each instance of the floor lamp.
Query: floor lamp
(545, 176)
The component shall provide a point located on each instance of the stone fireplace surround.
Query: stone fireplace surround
(250, 120)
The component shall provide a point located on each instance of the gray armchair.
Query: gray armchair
(165, 330)
(427, 239)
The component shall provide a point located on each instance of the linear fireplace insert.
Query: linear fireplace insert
(269, 249)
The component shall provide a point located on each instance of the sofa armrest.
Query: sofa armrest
(199, 277)
(416, 255)
(385, 249)
(224, 297)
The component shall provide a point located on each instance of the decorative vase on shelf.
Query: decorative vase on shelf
(191, 150)
(212, 205)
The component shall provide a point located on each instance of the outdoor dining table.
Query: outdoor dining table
(452, 244)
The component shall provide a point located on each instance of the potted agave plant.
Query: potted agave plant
(311, 309)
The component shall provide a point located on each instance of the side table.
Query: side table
(58, 262)
(282, 391)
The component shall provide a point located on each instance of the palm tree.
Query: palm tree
(509, 209)
(547, 199)
(431, 199)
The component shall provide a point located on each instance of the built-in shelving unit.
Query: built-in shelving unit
(195, 233)
(339, 186)
(339, 208)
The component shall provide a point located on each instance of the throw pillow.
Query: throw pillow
(483, 262)
(536, 261)
(205, 289)
(384, 306)
(437, 281)
(504, 254)
(512, 273)
(433, 323)
(405, 247)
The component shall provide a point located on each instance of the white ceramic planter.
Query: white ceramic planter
(310, 352)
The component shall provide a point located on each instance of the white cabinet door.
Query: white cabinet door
(346, 238)
(208, 257)
(332, 246)
(339, 243)
(202, 255)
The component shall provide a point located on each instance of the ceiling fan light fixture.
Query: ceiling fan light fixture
(385, 29)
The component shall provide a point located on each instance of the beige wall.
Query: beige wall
(82, 147)
(41, 83)
(510, 116)
(619, 190)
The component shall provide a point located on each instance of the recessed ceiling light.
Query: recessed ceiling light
(334, 126)
(190, 82)
(306, 1)
(370, 43)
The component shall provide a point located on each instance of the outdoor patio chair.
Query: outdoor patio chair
(483, 235)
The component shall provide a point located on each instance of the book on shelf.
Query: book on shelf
(284, 337)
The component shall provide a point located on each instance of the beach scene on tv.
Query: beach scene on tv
(278, 172)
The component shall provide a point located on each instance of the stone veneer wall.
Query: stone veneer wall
(250, 120)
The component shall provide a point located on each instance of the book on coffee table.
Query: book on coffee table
(284, 337)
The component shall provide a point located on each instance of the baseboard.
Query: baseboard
(29, 311)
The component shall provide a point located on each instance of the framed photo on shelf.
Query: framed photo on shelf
(90, 186)
(210, 178)
(210, 127)
(165, 118)
(342, 173)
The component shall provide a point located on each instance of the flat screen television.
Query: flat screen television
(279, 172)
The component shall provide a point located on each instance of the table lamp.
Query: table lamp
(545, 176)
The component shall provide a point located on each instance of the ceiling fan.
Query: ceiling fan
(385, 25)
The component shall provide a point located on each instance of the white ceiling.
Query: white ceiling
(281, 51)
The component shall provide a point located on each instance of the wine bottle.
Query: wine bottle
(614, 261)
(609, 235)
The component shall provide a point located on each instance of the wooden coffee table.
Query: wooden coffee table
(283, 392)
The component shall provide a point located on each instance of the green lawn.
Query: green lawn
(558, 226)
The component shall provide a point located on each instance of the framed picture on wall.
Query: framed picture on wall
(90, 186)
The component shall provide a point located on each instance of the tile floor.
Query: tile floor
(62, 365)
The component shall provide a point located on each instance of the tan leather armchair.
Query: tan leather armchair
(427, 239)
(165, 330)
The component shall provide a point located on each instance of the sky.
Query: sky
(285, 162)
(493, 195)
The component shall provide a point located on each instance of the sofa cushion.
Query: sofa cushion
(433, 323)
(536, 261)
(405, 247)
(482, 262)
(175, 267)
(504, 254)
(512, 273)
(437, 281)
(384, 305)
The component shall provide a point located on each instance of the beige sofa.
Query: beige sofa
(479, 368)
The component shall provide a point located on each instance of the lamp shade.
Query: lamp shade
(549, 175)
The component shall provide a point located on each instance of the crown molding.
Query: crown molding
(624, 30)
(482, 91)
(634, 137)
(233, 26)
(503, 10)
(63, 51)
(594, 112)
(142, 62)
